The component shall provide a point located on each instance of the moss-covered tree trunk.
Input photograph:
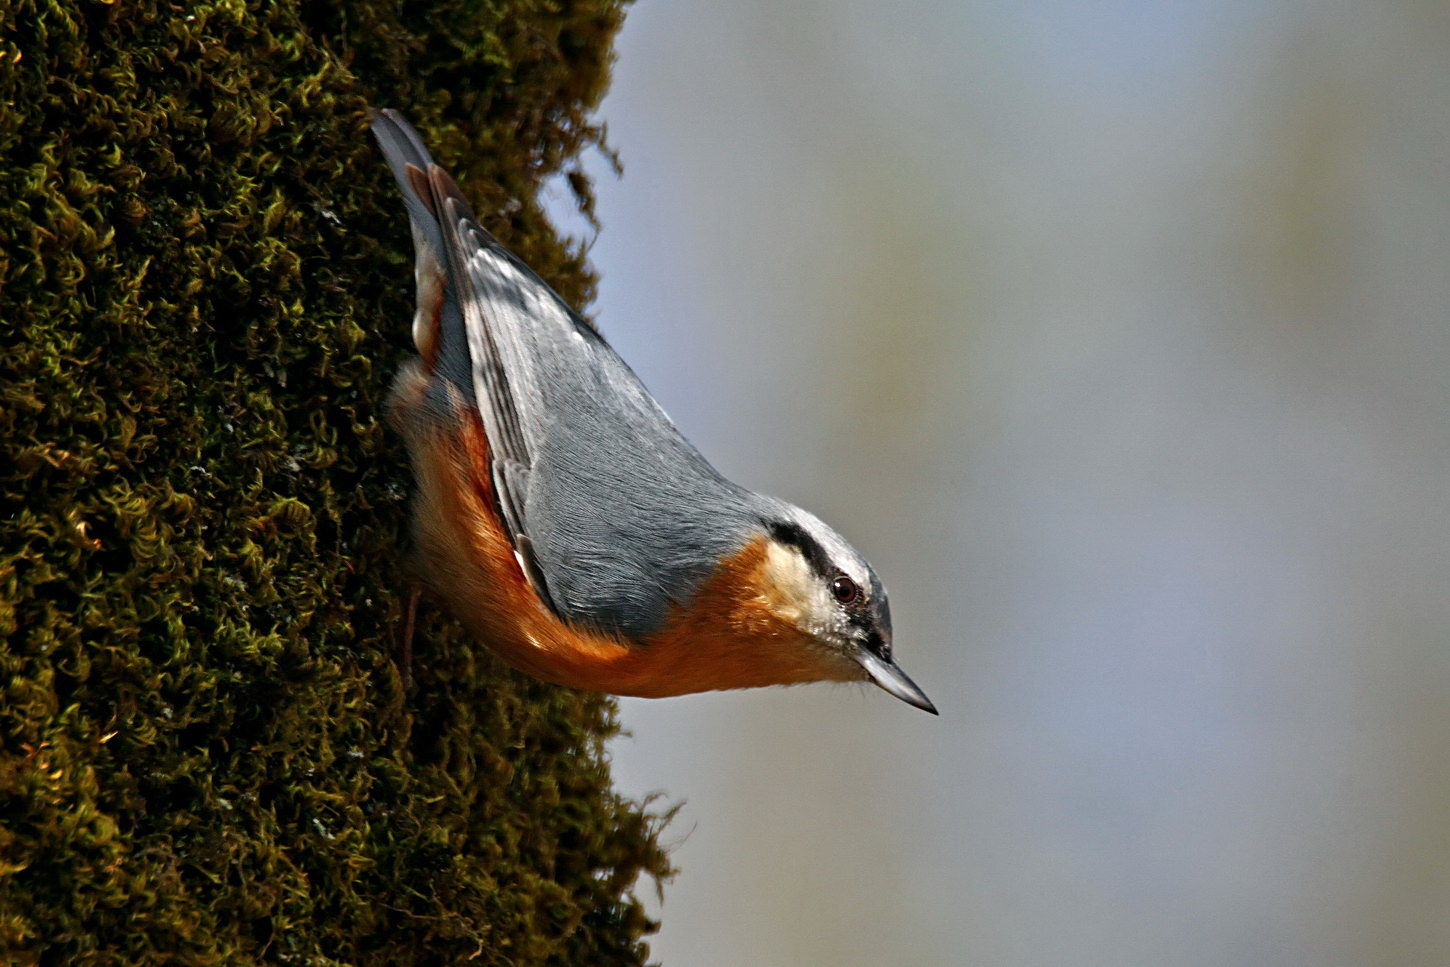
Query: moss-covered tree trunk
(205, 286)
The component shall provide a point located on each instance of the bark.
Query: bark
(205, 285)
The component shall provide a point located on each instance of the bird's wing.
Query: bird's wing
(490, 313)
(613, 515)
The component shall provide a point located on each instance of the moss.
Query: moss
(205, 756)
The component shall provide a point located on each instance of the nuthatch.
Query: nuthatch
(567, 522)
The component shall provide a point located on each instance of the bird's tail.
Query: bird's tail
(412, 168)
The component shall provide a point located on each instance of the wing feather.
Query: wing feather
(599, 491)
(495, 304)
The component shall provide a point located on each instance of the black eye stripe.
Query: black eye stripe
(794, 535)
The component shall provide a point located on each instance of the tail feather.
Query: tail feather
(401, 147)
(436, 316)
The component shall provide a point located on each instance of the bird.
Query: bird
(562, 517)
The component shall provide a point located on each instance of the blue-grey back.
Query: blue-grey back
(626, 515)
(614, 514)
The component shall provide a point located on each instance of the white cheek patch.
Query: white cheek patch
(797, 594)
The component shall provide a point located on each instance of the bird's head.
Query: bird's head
(816, 583)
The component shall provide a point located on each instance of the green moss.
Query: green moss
(205, 285)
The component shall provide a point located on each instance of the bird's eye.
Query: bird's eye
(844, 590)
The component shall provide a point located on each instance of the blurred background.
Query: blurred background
(1117, 336)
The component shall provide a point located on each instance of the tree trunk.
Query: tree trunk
(206, 282)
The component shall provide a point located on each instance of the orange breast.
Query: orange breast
(728, 637)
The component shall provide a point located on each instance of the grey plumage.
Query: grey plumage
(618, 514)
(616, 521)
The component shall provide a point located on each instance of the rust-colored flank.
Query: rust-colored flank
(729, 637)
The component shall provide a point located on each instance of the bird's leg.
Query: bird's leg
(404, 655)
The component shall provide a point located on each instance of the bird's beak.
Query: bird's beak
(894, 680)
